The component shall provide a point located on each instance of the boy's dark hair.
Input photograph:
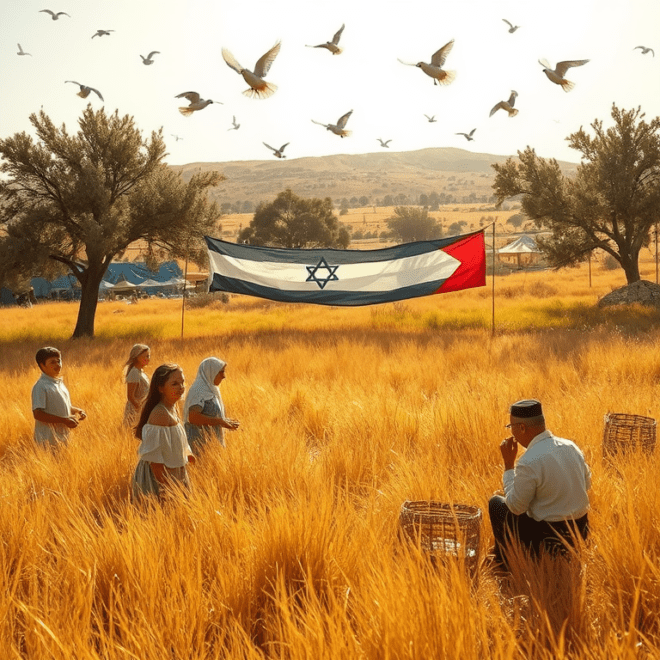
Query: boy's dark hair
(46, 352)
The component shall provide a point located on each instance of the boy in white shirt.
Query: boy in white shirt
(51, 404)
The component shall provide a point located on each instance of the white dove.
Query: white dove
(432, 119)
(556, 75)
(176, 137)
(148, 59)
(435, 70)
(506, 105)
(85, 90)
(21, 51)
(102, 33)
(338, 129)
(277, 152)
(54, 16)
(332, 45)
(384, 144)
(196, 103)
(512, 27)
(645, 50)
(468, 136)
(236, 126)
(259, 88)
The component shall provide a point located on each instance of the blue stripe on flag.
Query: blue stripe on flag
(312, 256)
(323, 297)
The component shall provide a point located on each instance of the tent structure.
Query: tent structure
(524, 250)
(124, 286)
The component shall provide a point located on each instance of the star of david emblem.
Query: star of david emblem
(322, 265)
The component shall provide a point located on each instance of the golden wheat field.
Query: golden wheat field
(287, 546)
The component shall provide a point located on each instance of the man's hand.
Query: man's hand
(509, 451)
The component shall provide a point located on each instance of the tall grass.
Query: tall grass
(287, 546)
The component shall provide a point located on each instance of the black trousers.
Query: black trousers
(534, 535)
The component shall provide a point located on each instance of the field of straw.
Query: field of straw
(288, 544)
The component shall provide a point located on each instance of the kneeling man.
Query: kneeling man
(545, 494)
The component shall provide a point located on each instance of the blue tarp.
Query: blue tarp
(136, 273)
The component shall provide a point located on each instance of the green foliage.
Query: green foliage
(455, 228)
(613, 201)
(516, 219)
(80, 200)
(412, 223)
(295, 222)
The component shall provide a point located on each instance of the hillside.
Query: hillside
(447, 170)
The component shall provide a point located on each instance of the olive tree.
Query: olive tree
(80, 200)
(611, 203)
(295, 222)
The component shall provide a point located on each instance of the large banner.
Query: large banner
(348, 277)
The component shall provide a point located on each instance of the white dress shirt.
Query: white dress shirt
(550, 480)
(51, 396)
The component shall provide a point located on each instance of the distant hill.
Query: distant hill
(374, 175)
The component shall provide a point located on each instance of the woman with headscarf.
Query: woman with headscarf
(137, 383)
(204, 411)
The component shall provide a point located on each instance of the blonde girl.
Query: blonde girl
(137, 383)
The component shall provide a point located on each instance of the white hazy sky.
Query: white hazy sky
(389, 100)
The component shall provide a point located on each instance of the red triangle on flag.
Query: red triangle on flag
(471, 252)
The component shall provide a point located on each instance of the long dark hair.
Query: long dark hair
(153, 398)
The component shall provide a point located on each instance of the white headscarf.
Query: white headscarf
(203, 388)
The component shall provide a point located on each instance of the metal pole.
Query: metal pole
(493, 291)
(656, 253)
(183, 296)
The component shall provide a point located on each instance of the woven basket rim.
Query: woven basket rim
(440, 509)
(640, 420)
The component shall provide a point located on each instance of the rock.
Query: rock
(642, 292)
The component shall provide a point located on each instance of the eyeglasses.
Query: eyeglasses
(509, 426)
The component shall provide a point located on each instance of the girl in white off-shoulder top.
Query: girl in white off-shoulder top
(164, 450)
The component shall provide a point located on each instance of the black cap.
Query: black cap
(526, 409)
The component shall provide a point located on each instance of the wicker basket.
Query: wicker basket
(444, 530)
(628, 433)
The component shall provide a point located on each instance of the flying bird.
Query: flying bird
(277, 152)
(506, 105)
(85, 90)
(102, 33)
(21, 51)
(259, 88)
(148, 59)
(196, 103)
(176, 137)
(384, 144)
(338, 128)
(556, 75)
(54, 16)
(512, 27)
(645, 50)
(236, 126)
(468, 136)
(435, 70)
(332, 45)
(432, 120)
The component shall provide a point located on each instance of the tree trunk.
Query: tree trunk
(90, 281)
(630, 265)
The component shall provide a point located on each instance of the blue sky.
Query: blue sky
(389, 99)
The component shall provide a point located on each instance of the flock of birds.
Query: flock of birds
(260, 88)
